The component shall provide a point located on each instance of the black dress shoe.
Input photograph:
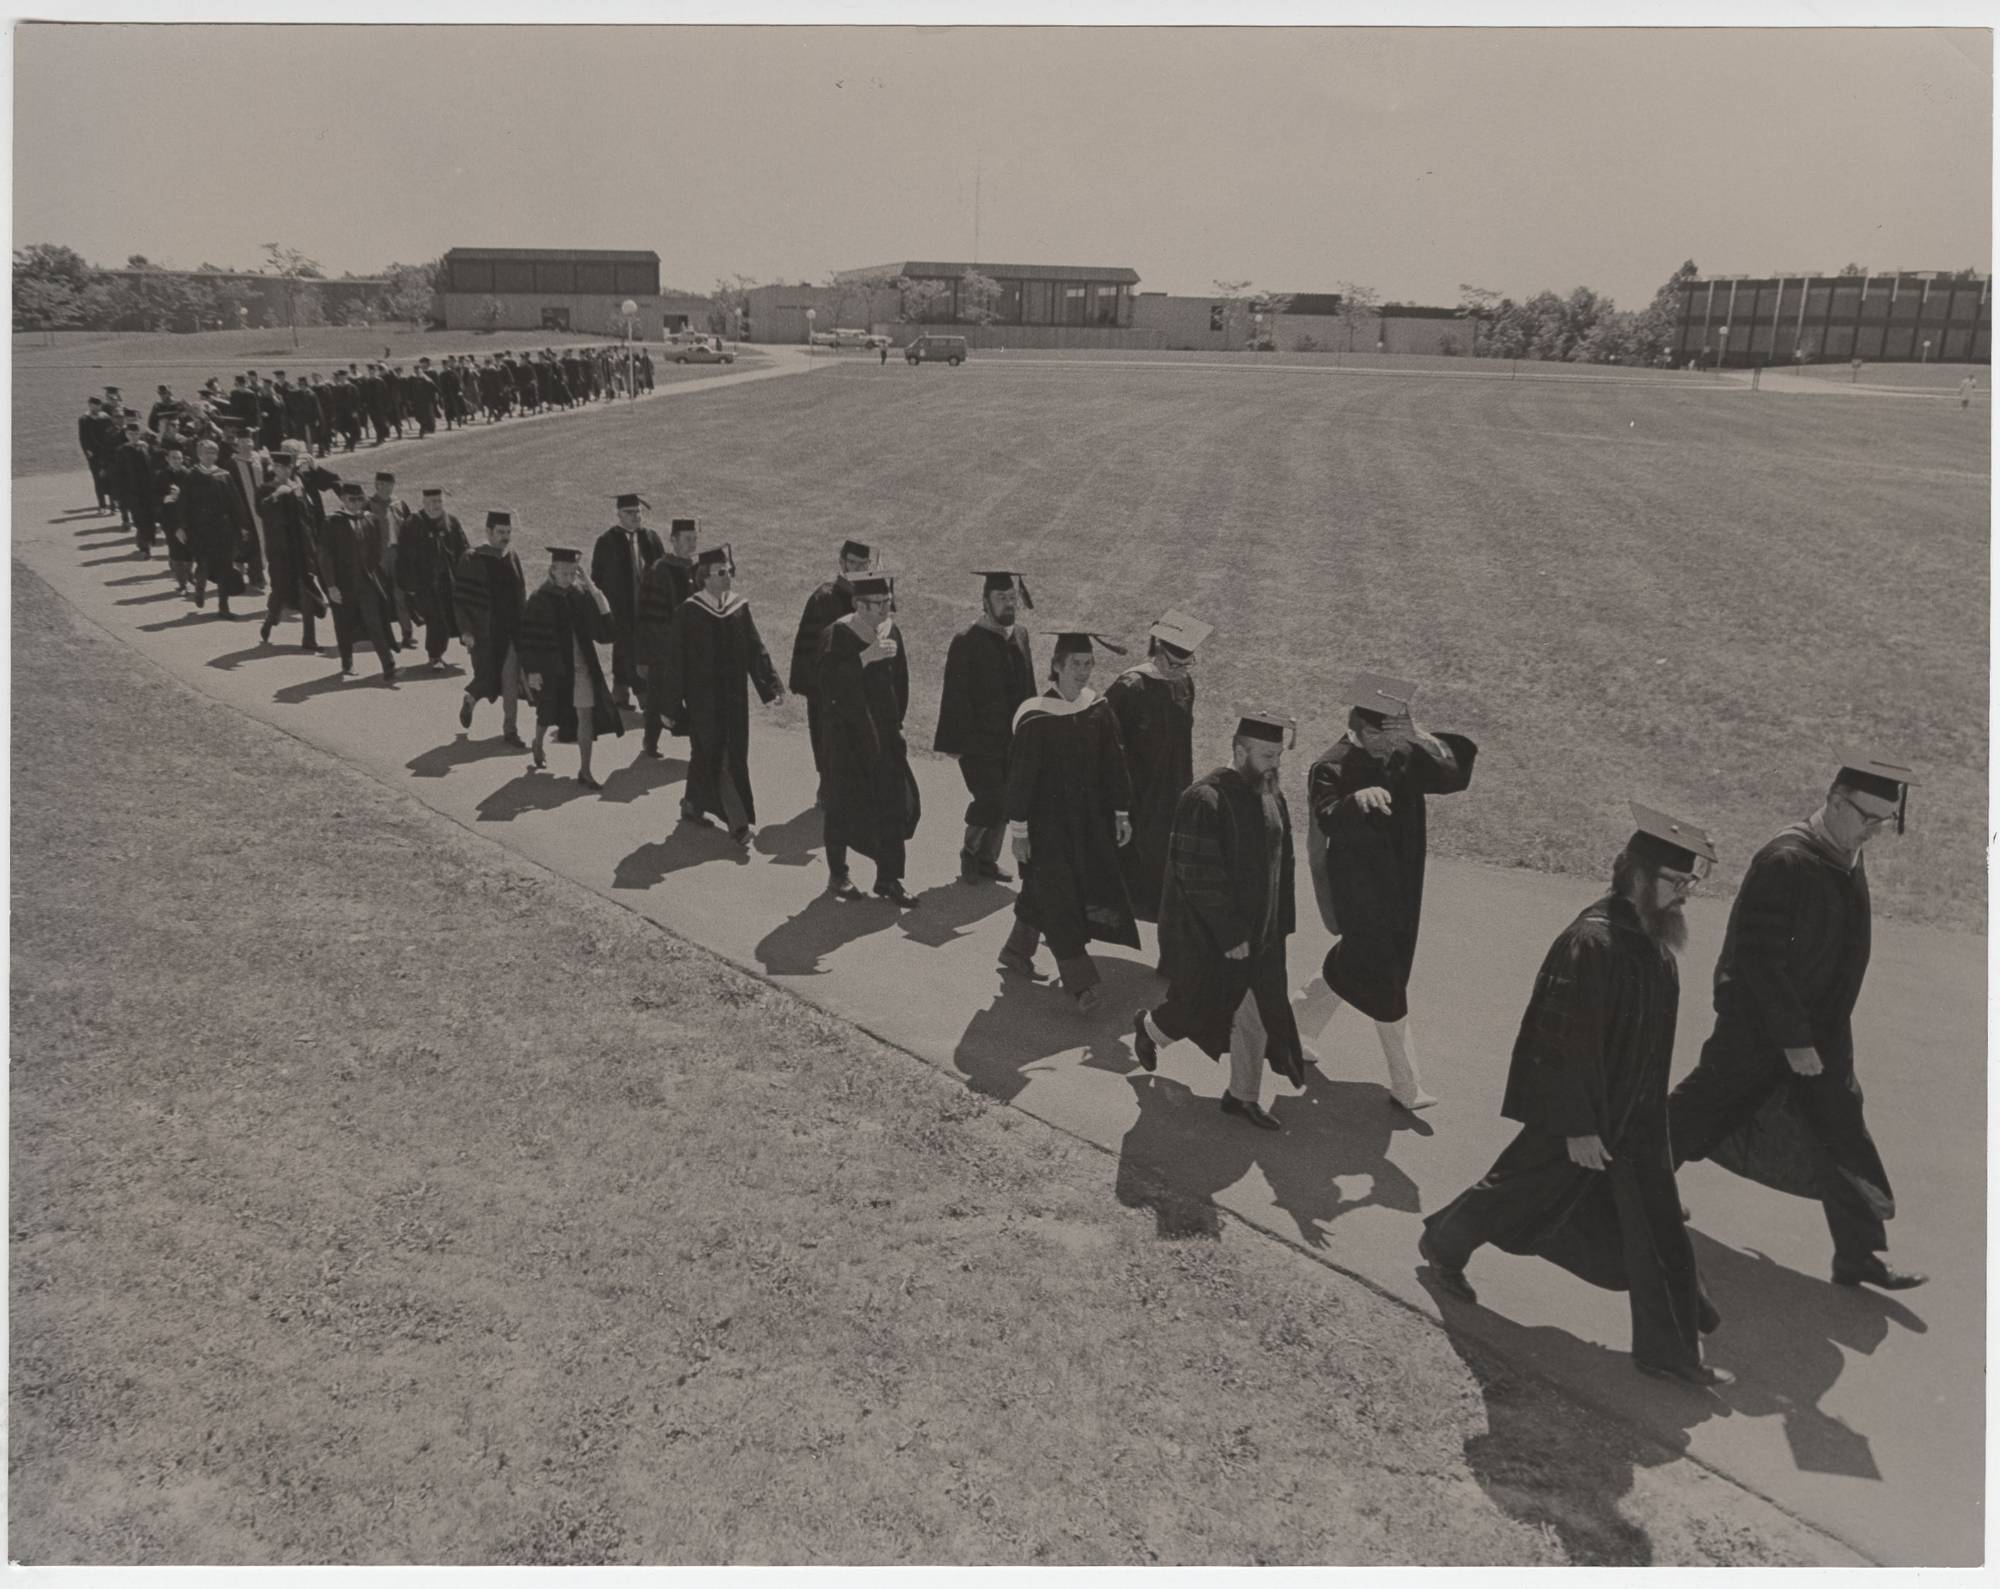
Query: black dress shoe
(1143, 1045)
(465, 712)
(1253, 1112)
(896, 894)
(515, 741)
(264, 633)
(993, 871)
(587, 781)
(1880, 1275)
(540, 755)
(653, 751)
(1449, 1276)
(1696, 1376)
(841, 886)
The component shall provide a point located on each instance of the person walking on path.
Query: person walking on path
(350, 563)
(618, 564)
(872, 804)
(1588, 1183)
(1154, 705)
(1069, 803)
(714, 654)
(1367, 794)
(489, 595)
(1774, 1096)
(827, 604)
(668, 582)
(988, 672)
(561, 628)
(1226, 912)
(429, 546)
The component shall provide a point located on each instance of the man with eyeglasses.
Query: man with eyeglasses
(1588, 1183)
(1774, 1096)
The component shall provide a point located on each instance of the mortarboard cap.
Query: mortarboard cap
(1178, 630)
(722, 554)
(385, 474)
(433, 491)
(1670, 842)
(1381, 695)
(632, 499)
(1004, 579)
(352, 488)
(1070, 637)
(681, 527)
(496, 517)
(856, 549)
(1886, 780)
(1277, 727)
(875, 583)
(564, 554)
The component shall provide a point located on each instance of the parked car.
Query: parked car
(845, 337)
(699, 350)
(929, 349)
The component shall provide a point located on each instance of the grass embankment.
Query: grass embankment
(1698, 598)
(376, 1197)
(52, 384)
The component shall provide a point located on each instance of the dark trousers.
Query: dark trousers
(986, 816)
(368, 615)
(274, 612)
(434, 613)
(100, 479)
(381, 422)
(1715, 1098)
(1077, 970)
(624, 659)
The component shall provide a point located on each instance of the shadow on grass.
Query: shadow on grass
(1331, 1158)
(690, 844)
(461, 752)
(1032, 1021)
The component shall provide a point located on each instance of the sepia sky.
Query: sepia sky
(1407, 159)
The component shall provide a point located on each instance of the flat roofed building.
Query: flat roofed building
(1897, 317)
(552, 289)
(1029, 295)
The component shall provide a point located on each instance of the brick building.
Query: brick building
(551, 289)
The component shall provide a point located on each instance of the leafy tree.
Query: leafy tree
(1357, 303)
(1852, 270)
(921, 300)
(412, 292)
(978, 298)
(44, 303)
(1653, 328)
(290, 264)
(1478, 305)
(490, 311)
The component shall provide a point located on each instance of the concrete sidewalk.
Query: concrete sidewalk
(1861, 1413)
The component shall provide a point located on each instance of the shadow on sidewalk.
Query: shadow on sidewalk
(203, 615)
(949, 908)
(690, 844)
(640, 777)
(1787, 1337)
(148, 599)
(793, 841)
(460, 752)
(326, 684)
(109, 562)
(532, 791)
(1331, 1158)
(797, 945)
(1029, 1022)
(139, 579)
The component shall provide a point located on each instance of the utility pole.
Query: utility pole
(978, 173)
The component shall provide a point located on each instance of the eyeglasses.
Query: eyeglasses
(1869, 819)
(1681, 882)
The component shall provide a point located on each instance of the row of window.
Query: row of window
(1965, 306)
(1841, 342)
(553, 276)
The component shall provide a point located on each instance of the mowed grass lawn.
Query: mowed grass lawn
(53, 383)
(1699, 598)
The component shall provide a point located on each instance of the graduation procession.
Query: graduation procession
(1091, 805)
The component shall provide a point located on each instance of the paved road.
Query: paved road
(1858, 1412)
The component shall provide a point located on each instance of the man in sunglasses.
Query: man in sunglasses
(1774, 1096)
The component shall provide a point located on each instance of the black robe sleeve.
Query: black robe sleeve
(1760, 975)
(1446, 774)
(762, 673)
(542, 635)
(955, 700)
(1557, 1084)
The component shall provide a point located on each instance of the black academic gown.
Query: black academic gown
(987, 675)
(489, 596)
(208, 513)
(1156, 725)
(291, 550)
(611, 571)
(871, 795)
(825, 606)
(557, 623)
(1375, 863)
(1065, 777)
(1592, 1059)
(428, 552)
(1790, 972)
(713, 655)
(1216, 893)
(667, 582)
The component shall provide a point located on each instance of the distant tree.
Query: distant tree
(1653, 328)
(139, 262)
(1609, 339)
(732, 300)
(1357, 303)
(978, 298)
(290, 264)
(491, 309)
(1852, 270)
(412, 293)
(921, 300)
(49, 285)
(1970, 273)
(1477, 305)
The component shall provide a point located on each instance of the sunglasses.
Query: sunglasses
(1871, 819)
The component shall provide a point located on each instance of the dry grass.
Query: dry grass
(376, 1197)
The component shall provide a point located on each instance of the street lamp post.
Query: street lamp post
(627, 310)
(811, 316)
(1927, 352)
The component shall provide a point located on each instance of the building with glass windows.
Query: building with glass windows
(551, 289)
(1902, 317)
(1028, 295)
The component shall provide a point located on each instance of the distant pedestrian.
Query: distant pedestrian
(1966, 388)
(1588, 1183)
(1226, 911)
(99, 434)
(883, 351)
(1368, 793)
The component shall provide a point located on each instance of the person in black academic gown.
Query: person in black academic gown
(1367, 795)
(618, 563)
(668, 581)
(1226, 911)
(562, 626)
(714, 654)
(1774, 1096)
(350, 567)
(871, 795)
(988, 672)
(489, 596)
(132, 486)
(1589, 1182)
(828, 602)
(96, 435)
(429, 544)
(1154, 705)
(1069, 803)
(291, 552)
(208, 515)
